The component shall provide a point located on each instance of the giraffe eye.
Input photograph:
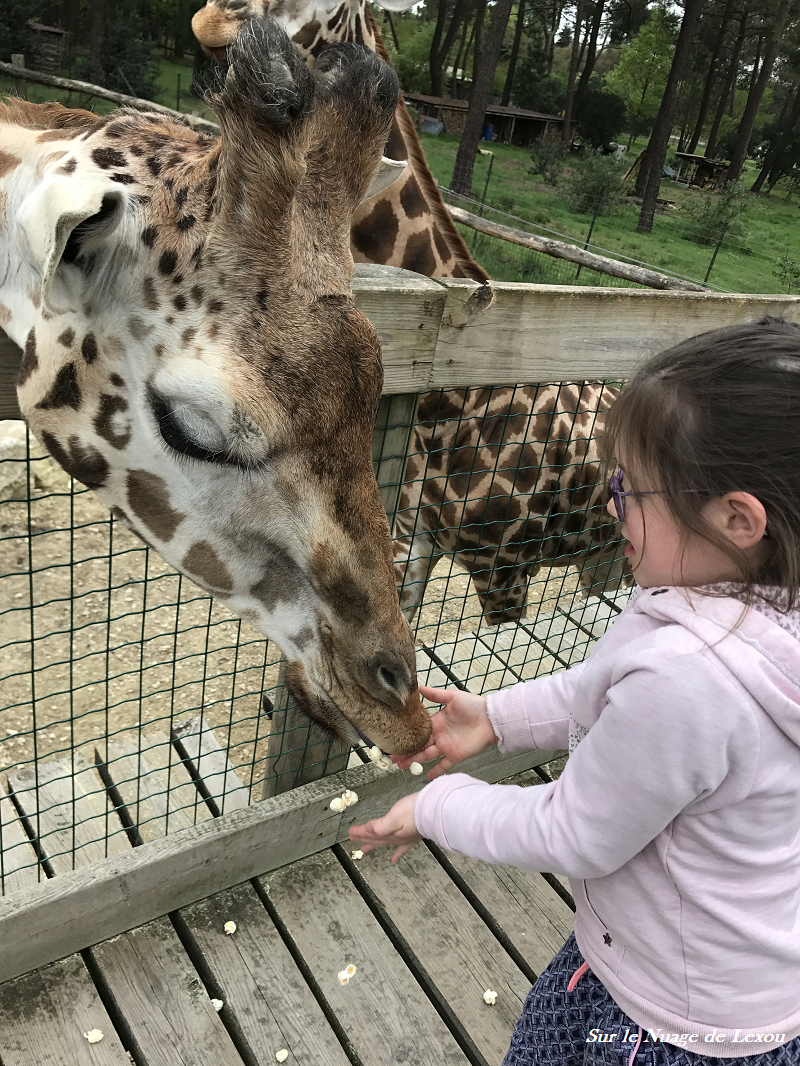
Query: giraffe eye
(188, 429)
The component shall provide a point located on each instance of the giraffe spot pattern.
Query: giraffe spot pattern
(67, 338)
(168, 262)
(110, 407)
(30, 360)
(149, 499)
(138, 328)
(375, 235)
(418, 254)
(89, 347)
(8, 162)
(68, 167)
(203, 562)
(108, 158)
(411, 199)
(80, 460)
(151, 300)
(65, 392)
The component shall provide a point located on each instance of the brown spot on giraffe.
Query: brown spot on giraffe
(67, 338)
(8, 162)
(30, 361)
(203, 562)
(375, 235)
(149, 499)
(80, 460)
(419, 255)
(65, 391)
(151, 301)
(5, 314)
(412, 200)
(111, 406)
(89, 348)
(138, 328)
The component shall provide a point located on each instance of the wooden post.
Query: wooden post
(20, 85)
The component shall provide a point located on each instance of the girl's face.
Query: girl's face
(661, 552)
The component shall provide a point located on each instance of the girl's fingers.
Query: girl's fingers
(436, 695)
(404, 761)
(400, 851)
(439, 769)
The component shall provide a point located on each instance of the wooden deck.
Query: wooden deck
(125, 840)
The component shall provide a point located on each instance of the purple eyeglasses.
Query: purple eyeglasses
(615, 484)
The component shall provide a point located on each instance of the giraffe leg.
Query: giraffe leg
(414, 558)
(603, 570)
(503, 592)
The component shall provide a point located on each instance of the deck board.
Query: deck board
(208, 761)
(384, 1013)
(19, 867)
(45, 1014)
(169, 1019)
(266, 998)
(452, 944)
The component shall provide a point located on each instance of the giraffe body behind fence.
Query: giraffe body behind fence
(192, 353)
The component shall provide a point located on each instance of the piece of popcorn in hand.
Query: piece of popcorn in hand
(415, 768)
(94, 1036)
(217, 1004)
(357, 854)
(490, 996)
(282, 1055)
(230, 928)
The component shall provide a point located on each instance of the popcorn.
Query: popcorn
(94, 1036)
(230, 928)
(282, 1055)
(217, 1004)
(345, 974)
(490, 996)
(377, 756)
(347, 799)
(357, 854)
(415, 768)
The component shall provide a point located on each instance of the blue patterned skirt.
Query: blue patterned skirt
(556, 1027)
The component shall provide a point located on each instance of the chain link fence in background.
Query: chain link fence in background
(108, 657)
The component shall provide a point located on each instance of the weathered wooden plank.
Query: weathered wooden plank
(44, 1016)
(515, 646)
(535, 919)
(267, 1003)
(19, 867)
(210, 764)
(167, 1014)
(429, 673)
(66, 804)
(541, 333)
(386, 1015)
(450, 943)
(86, 906)
(394, 425)
(156, 788)
(473, 663)
(10, 358)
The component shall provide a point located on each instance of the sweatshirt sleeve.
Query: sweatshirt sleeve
(665, 738)
(534, 714)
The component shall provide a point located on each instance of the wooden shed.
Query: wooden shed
(511, 125)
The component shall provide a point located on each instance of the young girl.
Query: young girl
(677, 817)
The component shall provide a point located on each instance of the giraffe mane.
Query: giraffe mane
(425, 179)
(49, 116)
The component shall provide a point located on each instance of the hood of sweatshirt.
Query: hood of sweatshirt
(759, 644)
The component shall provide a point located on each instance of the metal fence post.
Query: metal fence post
(20, 85)
(714, 256)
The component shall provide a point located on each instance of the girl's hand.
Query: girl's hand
(460, 729)
(396, 827)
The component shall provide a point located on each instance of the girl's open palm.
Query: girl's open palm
(460, 729)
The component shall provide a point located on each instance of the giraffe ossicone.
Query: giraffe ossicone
(192, 353)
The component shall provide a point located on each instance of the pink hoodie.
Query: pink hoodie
(677, 817)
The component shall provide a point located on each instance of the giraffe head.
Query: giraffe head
(192, 353)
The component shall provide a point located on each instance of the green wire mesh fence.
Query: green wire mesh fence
(133, 705)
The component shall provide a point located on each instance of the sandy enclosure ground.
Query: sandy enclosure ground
(99, 637)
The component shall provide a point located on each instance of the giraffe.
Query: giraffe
(407, 225)
(192, 353)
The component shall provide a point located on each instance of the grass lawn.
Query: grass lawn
(742, 266)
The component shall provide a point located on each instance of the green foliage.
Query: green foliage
(127, 54)
(640, 77)
(534, 88)
(787, 270)
(595, 181)
(15, 34)
(602, 115)
(547, 159)
(411, 63)
(716, 215)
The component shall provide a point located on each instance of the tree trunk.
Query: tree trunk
(452, 30)
(754, 96)
(96, 41)
(779, 147)
(566, 129)
(463, 49)
(481, 87)
(730, 83)
(653, 161)
(713, 64)
(395, 38)
(480, 15)
(512, 62)
(434, 62)
(591, 58)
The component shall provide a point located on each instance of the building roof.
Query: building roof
(491, 109)
(45, 29)
(701, 159)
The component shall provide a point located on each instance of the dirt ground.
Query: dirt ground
(98, 637)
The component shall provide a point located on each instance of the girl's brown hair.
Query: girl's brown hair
(720, 413)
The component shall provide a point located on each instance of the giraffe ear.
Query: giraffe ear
(388, 173)
(52, 213)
